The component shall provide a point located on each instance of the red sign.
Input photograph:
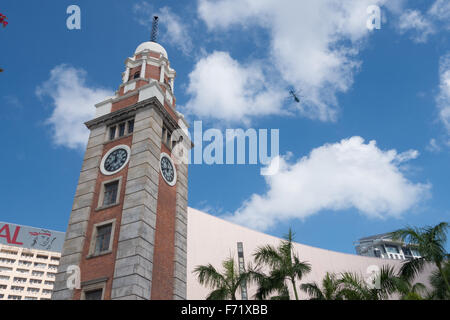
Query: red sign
(5, 233)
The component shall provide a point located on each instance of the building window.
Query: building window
(17, 288)
(23, 270)
(167, 137)
(392, 249)
(40, 265)
(19, 280)
(95, 290)
(35, 281)
(102, 238)
(130, 126)
(6, 269)
(24, 263)
(112, 133)
(110, 195)
(93, 294)
(27, 255)
(37, 273)
(121, 129)
(137, 75)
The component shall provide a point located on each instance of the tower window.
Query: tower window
(130, 126)
(120, 129)
(94, 291)
(112, 133)
(167, 137)
(137, 75)
(93, 294)
(111, 193)
(103, 238)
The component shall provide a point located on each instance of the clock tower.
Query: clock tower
(126, 237)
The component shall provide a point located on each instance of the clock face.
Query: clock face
(115, 160)
(168, 170)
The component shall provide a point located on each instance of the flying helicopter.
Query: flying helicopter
(296, 96)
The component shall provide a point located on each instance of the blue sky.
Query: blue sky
(390, 85)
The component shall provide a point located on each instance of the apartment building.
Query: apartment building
(383, 246)
(29, 259)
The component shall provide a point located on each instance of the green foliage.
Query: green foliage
(224, 284)
(285, 267)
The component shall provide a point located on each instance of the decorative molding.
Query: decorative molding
(122, 114)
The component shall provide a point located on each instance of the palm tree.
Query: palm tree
(386, 283)
(354, 287)
(391, 282)
(284, 265)
(430, 243)
(440, 291)
(224, 284)
(330, 288)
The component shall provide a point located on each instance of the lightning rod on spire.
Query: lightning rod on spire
(154, 29)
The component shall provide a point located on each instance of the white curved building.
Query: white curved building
(212, 240)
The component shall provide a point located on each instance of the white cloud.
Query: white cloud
(339, 176)
(314, 45)
(73, 104)
(440, 10)
(221, 88)
(433, 146)
(443, 99)
(413, 20)
(422, 25)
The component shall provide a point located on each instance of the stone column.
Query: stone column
(79, 217)
(134, 259)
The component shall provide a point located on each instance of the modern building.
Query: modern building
(29, 258)
(383, 246)
(211, 240)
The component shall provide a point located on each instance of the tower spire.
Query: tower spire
(154, 29)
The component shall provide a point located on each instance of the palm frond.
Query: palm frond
(209, 276)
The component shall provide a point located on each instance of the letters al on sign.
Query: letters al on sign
(31, 238)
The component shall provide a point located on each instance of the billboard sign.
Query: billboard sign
(31, 238)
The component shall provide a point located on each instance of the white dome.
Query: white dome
(152, 46)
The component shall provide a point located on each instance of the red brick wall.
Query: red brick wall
(164, 251)
(125, 103)
(152, 72)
